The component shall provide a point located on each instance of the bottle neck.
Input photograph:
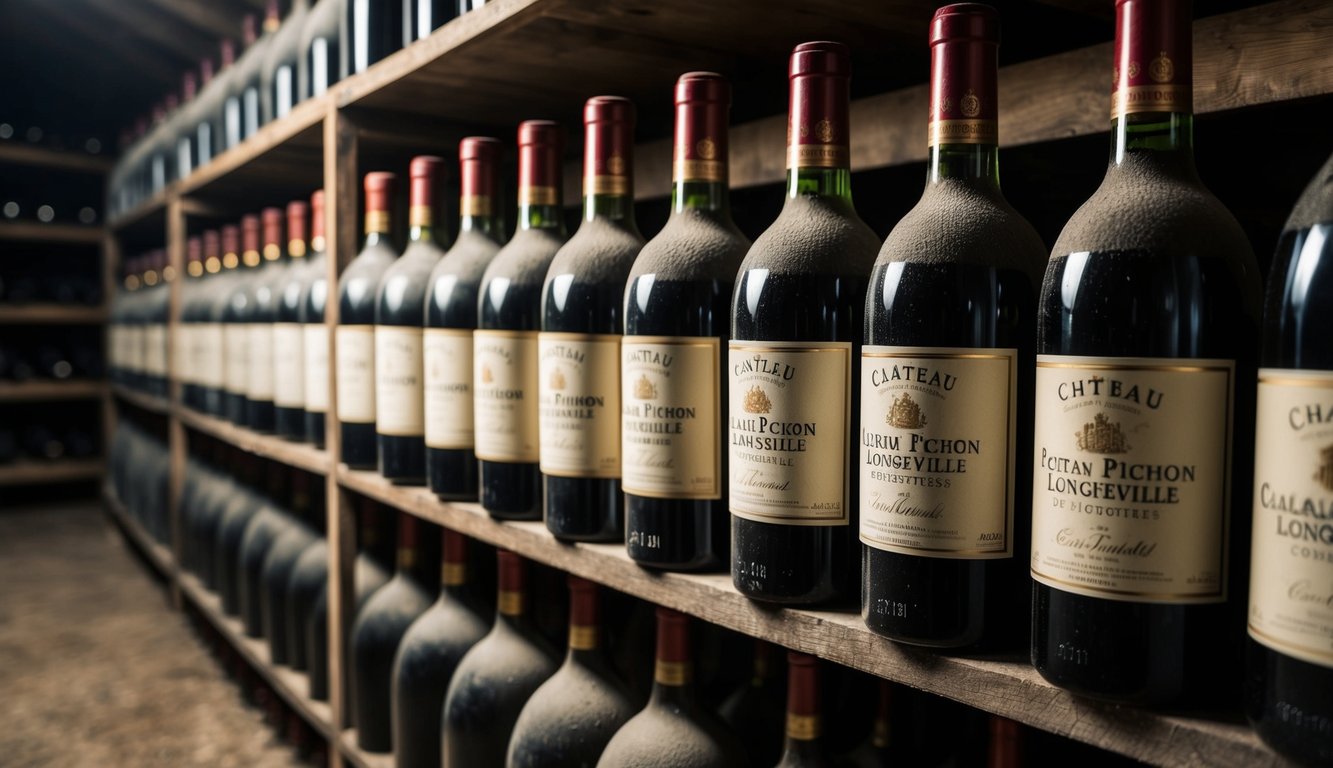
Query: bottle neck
(708, 196)
(453, 579)
(375, 237)
(488, 224)
(820, 182)
(540, 216)
(673, 683)
(1168, 135)
(964, 162)
(618, 209)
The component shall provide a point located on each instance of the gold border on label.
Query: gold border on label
(477, 337)
(606, 185)
(698, 170)
(418, 216)
(685, 341)
(296, 248)
(453, 574)
(962, 132)
(1305, 653)
(377, 221)
(844, 347)
(673, 673)
(582, 638)
(535, 195)
(802, 727)
(604, 338)
(510, 603)
(1128, 100)
(474, 205)
(1294, 377)
(818, 156)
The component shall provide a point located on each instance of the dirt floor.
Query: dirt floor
(96, 669)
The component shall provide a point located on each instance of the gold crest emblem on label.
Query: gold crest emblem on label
(706, 148)
(1101, 435)
(756, 401)
(1133, 70)
(905, 413)
(615, 165)
(645, 389)
(970, 104)
(487, 376)
(824, 131)
(1161, 69)
(558, 380)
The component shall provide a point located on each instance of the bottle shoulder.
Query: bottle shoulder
(600, 252)
(505, 654)
(693, 245)
(664, 735)
(814, 235)
(466, 261)
(525, 259)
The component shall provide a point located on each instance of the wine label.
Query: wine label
(155, 350)
(315, 347)
(789, 419)
(399, 381)
(937, 450)
(236, 341)
(671, 405)
(134, 345)
(579, 394)
(1291, 567)
(260, 385)
(448, 361)
(504, 403)
(288, 365)
(355, 353)
(1131, 488)
(182, 351)
(211, 353)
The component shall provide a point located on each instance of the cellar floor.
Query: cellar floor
(96, 669)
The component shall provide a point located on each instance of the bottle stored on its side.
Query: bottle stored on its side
(263, 313)
(946, 375)
(676, 325)
(354, 338)
(504, 345)
(217, 371)
(496, 677)
(803, 747)
(1006, 746)
(269, 522)
(451, 317)
(288, 333)
(579, 346)
(281, 559)
(796, 325)
(1289, 669)
(754, 711)
(1146, 342)
(673, 730)
(571, 717)
(427, 657)
(236, 319)
(421, 17)
(308, 579)
(880, 750)
(321, 45)
(400, 423)
(372, 29)
(315, 335)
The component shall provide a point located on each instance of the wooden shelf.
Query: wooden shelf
(38, 390)
(51, 313)
(150, 403)
(146, 213)
(62, 234)
(299, 455)
(359, 757)
(28, 472)
(15, 153)
(1009, 687)
(158, 554)
(292, 686)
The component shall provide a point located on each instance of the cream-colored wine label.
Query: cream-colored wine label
(1131, 480)
(288, 365)
(1291, 566)
(355, 353)
(315, 347)
(789, 431)
(135, 347)
(448, 361)
(236, 340)
(579, 393)
(670, 409)
(504, 403)
(155, 350)
(937, 450)
(399, 381)
(212, 355)
(182, 350)
(261, 362)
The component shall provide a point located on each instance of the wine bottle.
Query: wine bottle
(231, 527)
(281, 558)
(803, 747)
(1146, 338)
(579, 344)
(185, 351)
(380, 626)
(427, 657)
(950, 336)
(315, 335)
(309, 578)
(421, 17)
(1005, 749)
(505, 342)
(157, 312)
(372, 29)
(400, 422)
(268, 523)
(355, 336)
(571, 717)
(215, 370)
(1289, 681)
(236, 329)
(288, 333)
(673, 730)
(496, 677)
(321, 43)
(676, 309)
(451, 317)
(754, 711)
(262, 315)
(282, 61)
(795, 329)
(880, 750)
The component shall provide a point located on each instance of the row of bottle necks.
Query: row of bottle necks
(440, 674)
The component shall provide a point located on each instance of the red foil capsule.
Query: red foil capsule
(317, 221)
(250, 239)
(379, 196)
(703, 100)
(296, 234)
(608, 152)
(194, 256)
(673, 666)
(802, 696)
(454, 558)
(231, 245)
(818, 132)
(540, 143)
(272, 233)
(479, 163)
(424, 175)
(513, 582)
(1154, 57)
(964, 53)
(584, 614)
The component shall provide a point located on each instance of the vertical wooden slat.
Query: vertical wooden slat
(175, 430)
(110, 265)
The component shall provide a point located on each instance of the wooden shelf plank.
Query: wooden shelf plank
(150, 403)
(158, 554)
(301, 125)
(52, 313)
(16, 153)
(299, 455)
(38, 390)
(145, 212)
(1008, 687)
(28, 472)
(292, 686)
(359, 757)
(37, 232)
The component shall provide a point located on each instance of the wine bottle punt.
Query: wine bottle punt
(1146, 347)
(676, 324)
(796, 325)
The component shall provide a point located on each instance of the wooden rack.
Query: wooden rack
(517, 59)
